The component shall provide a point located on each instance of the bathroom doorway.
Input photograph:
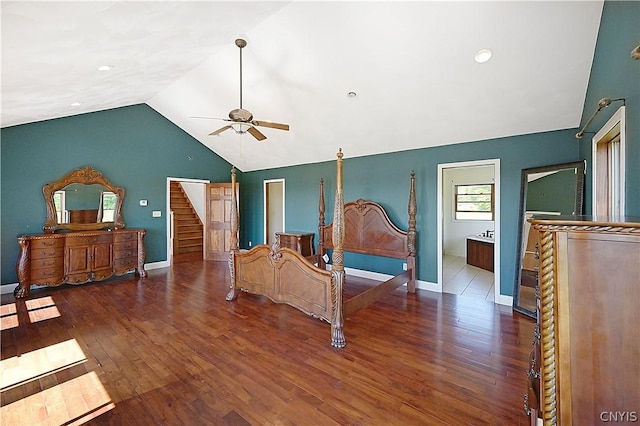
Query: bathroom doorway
(455, 225)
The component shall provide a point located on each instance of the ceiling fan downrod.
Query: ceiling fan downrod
(241, 43)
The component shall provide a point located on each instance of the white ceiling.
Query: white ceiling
(410, 63)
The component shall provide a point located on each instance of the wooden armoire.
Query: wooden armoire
(585, 366)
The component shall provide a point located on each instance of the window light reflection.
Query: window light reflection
(42, 309)
(8, 316)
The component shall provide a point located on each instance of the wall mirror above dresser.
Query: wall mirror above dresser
(83, 199)
(557, 190)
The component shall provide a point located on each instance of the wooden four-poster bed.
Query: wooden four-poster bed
(285, 276)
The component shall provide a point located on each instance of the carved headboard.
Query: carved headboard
(368, 229)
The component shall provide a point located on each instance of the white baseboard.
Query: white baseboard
(422, 285)
(8, 288)
(505, 300)
(157, 265)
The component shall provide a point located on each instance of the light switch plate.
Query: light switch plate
(143, 203)
(156, 213)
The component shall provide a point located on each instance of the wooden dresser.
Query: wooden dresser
(586, 355)
(78, 257)
(302, 242)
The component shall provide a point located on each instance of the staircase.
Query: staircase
(187, 227)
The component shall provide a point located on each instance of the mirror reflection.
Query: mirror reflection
(80, 203)
(551, 190)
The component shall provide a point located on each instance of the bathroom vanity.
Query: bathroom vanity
(480, 252)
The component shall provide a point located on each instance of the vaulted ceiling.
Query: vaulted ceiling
(410, 64)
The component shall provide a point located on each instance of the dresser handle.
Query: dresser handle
(533, 374)
(49, 243)
(536, 335)
(527, 410)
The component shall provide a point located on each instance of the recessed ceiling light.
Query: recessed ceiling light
(75, 104)
(352, 94)
(106, 67)
(483, 55)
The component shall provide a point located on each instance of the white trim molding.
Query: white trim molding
(498, 297)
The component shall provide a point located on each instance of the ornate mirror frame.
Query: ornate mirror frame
(577, 190)
(88, 176)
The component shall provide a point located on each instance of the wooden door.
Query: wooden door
(218, 225)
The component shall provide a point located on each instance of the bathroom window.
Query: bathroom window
(474, 202)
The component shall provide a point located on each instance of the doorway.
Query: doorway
(274, 203)
(195, 189)
(609, 167)
(446, 207)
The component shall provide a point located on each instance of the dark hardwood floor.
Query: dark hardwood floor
(169, 350)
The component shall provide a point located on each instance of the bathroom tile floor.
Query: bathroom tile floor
(466, 280)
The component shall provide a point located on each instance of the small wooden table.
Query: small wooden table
(302, 242)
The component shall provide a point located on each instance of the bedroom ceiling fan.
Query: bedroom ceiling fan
(242, 119)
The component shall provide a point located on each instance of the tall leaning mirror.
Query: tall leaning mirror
(554, 190)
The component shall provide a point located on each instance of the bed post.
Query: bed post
(337, 269)
(412, 235)
(321, 262)
(233, 243)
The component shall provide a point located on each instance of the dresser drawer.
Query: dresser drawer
(47, 263)
(47, 243)
(89, 240)
(120, 237)
(125, 263)
(49, 275)
(126, 245)
(47, 253)
(125, 254)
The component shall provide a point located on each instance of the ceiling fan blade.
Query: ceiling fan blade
(220, 130)
(211, 118)
(256, 133)
(270, 124)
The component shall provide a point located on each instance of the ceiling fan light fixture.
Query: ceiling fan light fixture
(483, 55)
(240, 128)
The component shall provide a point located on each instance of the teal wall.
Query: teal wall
(385, 179)
(134, 147)
(614, 74)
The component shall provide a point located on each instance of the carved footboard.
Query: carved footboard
(284, 276)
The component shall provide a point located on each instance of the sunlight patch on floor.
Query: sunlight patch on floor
(49, 385)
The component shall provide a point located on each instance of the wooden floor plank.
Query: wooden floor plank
(169, 349)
